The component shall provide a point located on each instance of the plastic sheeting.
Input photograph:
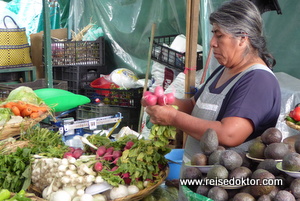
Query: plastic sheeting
(127, 26)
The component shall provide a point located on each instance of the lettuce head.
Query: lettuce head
(25, 94)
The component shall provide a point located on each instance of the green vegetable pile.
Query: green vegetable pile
(15, 167)
(6, 195)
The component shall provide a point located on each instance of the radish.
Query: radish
(147, 93)
(151, 100)
(162, 100)
(101, 151)
(170, 98)
(98, 166)
(68, 154)
(108, 157)
(77, 153)
(110, 150)
(116, 160)
(116, 154)
(129, 144)
(158, 91)
(114, 168)
(71, 149)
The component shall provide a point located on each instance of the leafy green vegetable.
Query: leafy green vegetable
(45, 142)
(5, 114)
(13, 169)
(25, 94)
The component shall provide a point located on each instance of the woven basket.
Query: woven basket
(292, 125)
(11, 130)
(147, 191)
(11, 147)
(32, 196)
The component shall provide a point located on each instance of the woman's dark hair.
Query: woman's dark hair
(242, 18)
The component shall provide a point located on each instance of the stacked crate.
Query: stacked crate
(78, 62)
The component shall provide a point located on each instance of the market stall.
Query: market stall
(62, 157)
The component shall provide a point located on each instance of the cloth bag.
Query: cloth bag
(14, 46)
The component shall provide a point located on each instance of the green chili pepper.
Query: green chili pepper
(4, 194)
(288, 118)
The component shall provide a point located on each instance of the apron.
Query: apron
(207, 107)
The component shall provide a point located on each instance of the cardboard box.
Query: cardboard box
(37, 48)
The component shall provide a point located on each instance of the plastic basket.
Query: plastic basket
(65, 53)
(170, 57)
(192, 196)
(91, 110)
(5, 89)
(78, 76)
(115, 97)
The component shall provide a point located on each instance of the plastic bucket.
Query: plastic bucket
(176, 156)
(102, 83)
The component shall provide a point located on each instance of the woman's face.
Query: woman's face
(226, 47)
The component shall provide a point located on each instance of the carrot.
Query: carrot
(26, 112)
(16, 110)
(43, 108)
(21, 105)
(34, 108)
(10, 104)
(34, 115)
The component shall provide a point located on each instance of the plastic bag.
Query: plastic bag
(93, 33)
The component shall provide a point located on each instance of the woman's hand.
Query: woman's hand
(162, 115)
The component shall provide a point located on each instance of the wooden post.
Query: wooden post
(192, 24)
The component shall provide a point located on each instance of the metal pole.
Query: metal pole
(47, 46)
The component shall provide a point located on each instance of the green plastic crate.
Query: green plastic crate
(192, 196)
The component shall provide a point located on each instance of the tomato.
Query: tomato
(296, 114)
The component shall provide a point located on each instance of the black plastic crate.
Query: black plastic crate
(92, 110)
(130, 98)
(66, 53)
(5, 89)
(170, 57)
(78, 76)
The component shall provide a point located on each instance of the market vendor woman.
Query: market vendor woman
(241, 98)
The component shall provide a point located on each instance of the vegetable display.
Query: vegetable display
(294, 115)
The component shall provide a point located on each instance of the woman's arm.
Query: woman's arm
(231, 131)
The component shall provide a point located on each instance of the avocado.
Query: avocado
(295, 187)
(209, 141)
(230, 159)
(291, 162)
(199, 159)
(276, 150)
(203, 190)
(191, 173)
(297, 145)
(217, 171)
(217, 194)
(259, 189)
(284, 195)
(270, 165)
(256, 149)
(243, 197)
(240, 172)
(214, 157)
(246, 161)
(264, 198)
(271, 135)
(273, 193)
